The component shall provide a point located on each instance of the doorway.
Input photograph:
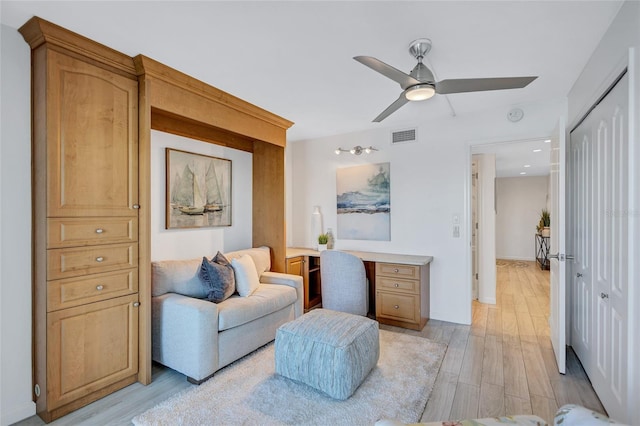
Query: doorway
(509, 189)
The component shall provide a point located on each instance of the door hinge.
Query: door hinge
(476, 275)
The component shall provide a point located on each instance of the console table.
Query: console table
(542, 251)
(398, 284)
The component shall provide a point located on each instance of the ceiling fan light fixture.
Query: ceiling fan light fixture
(420, 92)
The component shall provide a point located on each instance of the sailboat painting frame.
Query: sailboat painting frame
(198, 191)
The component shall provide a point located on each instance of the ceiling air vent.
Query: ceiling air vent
(400, 136)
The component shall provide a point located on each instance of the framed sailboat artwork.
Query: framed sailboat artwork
(198, 190)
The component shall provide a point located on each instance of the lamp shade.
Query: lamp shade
(420, 92)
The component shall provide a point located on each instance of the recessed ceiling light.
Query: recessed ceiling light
(527, 165)
(537, 150)
(547, 141)
(523, 173)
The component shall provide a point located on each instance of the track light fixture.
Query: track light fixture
(356, 150)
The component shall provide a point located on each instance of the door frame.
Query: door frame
(471, 145)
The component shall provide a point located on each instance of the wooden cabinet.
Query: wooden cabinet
(308, 267)
(85, 212)
(402, 294)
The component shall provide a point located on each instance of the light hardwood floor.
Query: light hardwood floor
(501, 364)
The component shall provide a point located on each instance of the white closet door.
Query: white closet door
(599, 164)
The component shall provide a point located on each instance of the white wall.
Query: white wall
(15, 229)
(520, 201)
(190, 243)
(619, 47)
(429, 185)
(486, 228)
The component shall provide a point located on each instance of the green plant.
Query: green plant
(545, 218)
(323, 239)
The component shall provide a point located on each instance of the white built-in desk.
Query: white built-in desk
(398, 284)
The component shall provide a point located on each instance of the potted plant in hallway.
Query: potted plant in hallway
(545, 221)
(323, 239)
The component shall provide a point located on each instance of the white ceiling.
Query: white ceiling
(295, 58)
(513, 158)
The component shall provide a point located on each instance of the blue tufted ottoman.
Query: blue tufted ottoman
(328, 350)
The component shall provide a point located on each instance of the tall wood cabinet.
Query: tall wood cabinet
(93, 109)
(85, 213)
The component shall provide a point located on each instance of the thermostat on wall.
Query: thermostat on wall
(515, 114)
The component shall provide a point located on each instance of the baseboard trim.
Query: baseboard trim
(528, 259)
(488, 300)
(19, 413)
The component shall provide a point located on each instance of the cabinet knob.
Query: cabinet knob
(136, 206)
(396, 270)
(99, 231)
(396, 285)
(136, 304)
(578, 275)
(99, 287)
(396, 307)
(604, 295)
(99, 259)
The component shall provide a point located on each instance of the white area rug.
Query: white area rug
(248, 392)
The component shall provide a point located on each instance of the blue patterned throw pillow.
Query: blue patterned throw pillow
(217, 278)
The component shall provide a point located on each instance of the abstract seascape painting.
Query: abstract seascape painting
(364, 202)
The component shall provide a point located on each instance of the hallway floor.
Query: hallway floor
(504, 363)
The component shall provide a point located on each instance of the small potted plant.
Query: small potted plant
(545, 221)
(323, 239)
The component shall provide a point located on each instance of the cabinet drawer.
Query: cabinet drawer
(399, 307)
(73, 232)
(398, 270)
(398, 285)
(62, 294)
(73, 262)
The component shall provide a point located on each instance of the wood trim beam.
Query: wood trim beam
(269, 202)
(170, 123)
(186, 96)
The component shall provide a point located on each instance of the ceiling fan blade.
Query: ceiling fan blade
(461, 85)
(404, 79)
(391, 108)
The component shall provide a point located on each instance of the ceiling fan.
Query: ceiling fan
(420, 84)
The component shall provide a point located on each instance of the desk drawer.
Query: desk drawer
(73, 262)
(398, 270)
(70, 292)
(398, 285)
(399, 307)
(74, 232)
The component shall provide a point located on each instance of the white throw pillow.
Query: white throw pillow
(247, 280)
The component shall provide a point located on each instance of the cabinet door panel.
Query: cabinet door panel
(92, 140)
(90, 347)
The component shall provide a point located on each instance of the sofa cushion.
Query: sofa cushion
(266, 299)
(261, 257)
(177, 276)
(247, 280)
(217, 278)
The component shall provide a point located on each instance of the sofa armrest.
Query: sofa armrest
(185, 334)
(294, 281)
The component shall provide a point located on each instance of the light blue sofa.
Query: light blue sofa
(197, 337)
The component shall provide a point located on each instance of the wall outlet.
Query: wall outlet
(456, 231)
